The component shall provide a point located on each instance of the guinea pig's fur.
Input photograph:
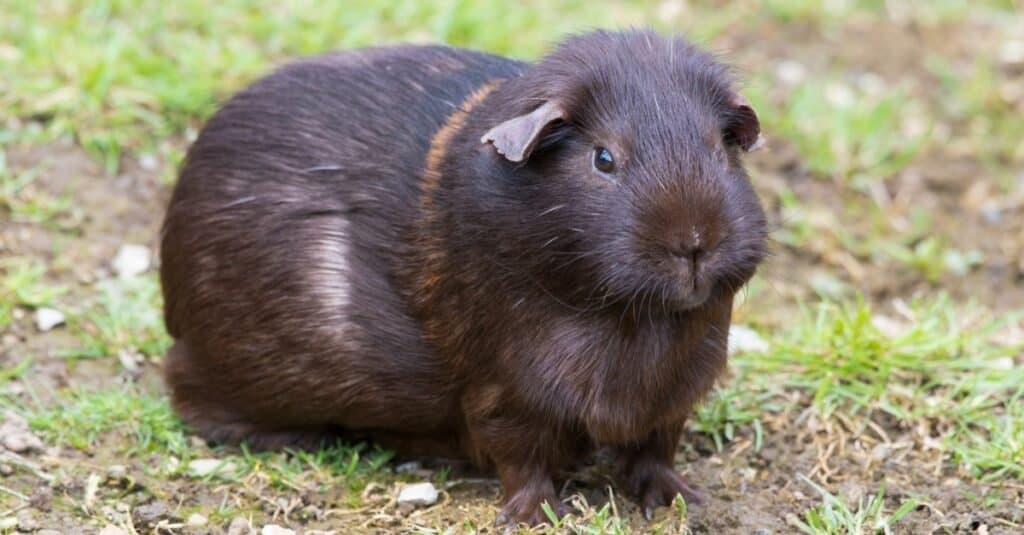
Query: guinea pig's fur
(427, 246)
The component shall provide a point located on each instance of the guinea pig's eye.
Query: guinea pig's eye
(603, 160)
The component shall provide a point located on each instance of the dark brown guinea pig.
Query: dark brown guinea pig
(458, 254)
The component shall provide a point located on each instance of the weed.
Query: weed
(833, 517)
(126, 317)
(22, 284)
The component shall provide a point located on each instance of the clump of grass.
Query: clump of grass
(972, 98)
(22, 284)
(26, 203)
(833, 517)
(848, 132)
(125, 317)
(729, 409)
(144, 423)
(125, 74)
(941, 366)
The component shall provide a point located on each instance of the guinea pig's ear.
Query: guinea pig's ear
(516, 138)
(743, 127)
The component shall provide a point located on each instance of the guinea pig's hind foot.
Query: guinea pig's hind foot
(658, 485)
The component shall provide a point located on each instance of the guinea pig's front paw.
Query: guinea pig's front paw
(526, 507)
(658, 485)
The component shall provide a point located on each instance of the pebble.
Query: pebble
(48, 318)
(131, 260)
(273, 529)
(239, 526)
(116, 471)
(205, 467)
(26, 522)
(16, 436)
(418, 494)
(149, 162)
(113, 530)
(8, 523)
(48, 532)
(196, 520)
(743, 339)
(791, 72)
(410, 467)
(1012, 52)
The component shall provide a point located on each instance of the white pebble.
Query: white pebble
(791, 72)
(1012, 52)
(273, 529)
(148, 162)
(410, 467)
(196, 520)
(48, 318)
(205, 467)
(743, 339)
(240, 526)
(418, 494)
(131, 260)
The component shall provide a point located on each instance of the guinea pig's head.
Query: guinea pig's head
(625, 149)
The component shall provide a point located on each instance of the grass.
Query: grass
(26, 203)
(22, 284)
(126, 316)
(848, 130)
(936, 364)
(128, 74)
(834, 517)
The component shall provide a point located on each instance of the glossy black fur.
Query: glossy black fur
(343, 252)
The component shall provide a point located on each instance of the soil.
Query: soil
(753, 491)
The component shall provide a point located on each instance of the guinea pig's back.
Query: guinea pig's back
(282, 238)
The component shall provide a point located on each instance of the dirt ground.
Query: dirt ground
(753, 491)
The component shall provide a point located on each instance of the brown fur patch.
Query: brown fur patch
(439, 143)
(433, 253)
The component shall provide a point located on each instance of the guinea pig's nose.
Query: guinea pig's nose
(687, 246)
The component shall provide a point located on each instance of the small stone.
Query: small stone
(240, 526)
(273, 529)
(743, 339)
(48, 532)
(196, 520)
(762, 531)
(410, 467)
(148, 162)
(48, 318)
(130, 360)
(113, 530)
(16, 436)
(418, 494)
(131, 260)
(991, 213)
(116, 471)
(1012, 52)
(151, 514)
(206, 467)
(791, 72)
(9, 522)
(26, 522)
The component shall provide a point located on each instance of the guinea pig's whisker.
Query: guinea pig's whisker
(240, 200)
(325, 168)
(553, 209)
(553, 239)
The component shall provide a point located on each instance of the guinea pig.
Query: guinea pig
(461, 255)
